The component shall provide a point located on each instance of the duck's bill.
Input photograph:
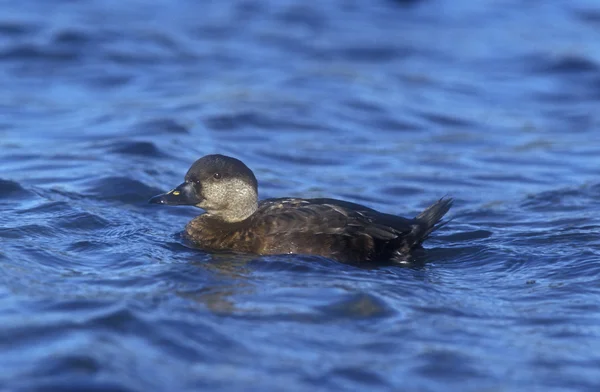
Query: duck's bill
(184, 194)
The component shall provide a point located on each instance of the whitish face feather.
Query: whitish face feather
(231, 199)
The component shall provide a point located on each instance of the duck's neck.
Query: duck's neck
(243, 203)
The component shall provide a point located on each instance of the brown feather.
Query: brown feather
(235, 221)
(331, 228)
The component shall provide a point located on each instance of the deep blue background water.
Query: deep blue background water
(388, 103)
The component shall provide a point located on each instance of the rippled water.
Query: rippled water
(388, 103)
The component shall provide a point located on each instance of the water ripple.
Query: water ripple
(122, 189)
(9, 189)
(388, 103)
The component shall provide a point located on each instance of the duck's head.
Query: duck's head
(222, 186)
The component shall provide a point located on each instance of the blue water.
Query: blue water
(392, 104)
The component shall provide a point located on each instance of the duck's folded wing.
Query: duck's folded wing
(307, 216)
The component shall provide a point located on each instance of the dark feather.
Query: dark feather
(234, 220)
(332, 228)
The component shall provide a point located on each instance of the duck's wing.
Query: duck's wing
(330, 216)
(415, 230)
(395, 222)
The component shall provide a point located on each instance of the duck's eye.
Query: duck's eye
(217, 176)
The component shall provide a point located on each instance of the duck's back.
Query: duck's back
(337, 229)
(332, 228)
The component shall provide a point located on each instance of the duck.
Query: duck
(234, 220)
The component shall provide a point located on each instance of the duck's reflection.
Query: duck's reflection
(237, 276)
(231, 279)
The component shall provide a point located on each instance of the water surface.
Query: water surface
(392, 104)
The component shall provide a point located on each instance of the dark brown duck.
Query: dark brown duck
(236, 221)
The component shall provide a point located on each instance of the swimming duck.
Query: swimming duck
(234, 220)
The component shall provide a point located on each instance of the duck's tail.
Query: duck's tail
(430, 220)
